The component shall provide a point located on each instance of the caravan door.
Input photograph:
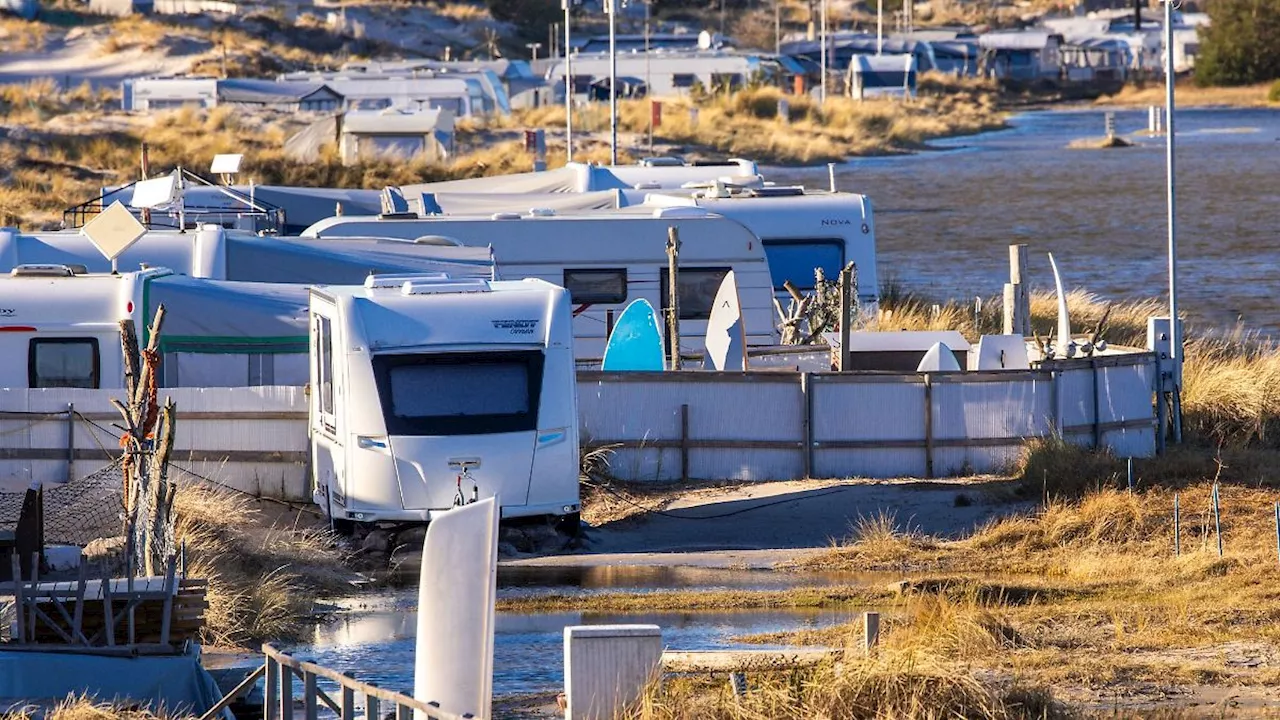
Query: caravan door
(327, 454)
(453, 412)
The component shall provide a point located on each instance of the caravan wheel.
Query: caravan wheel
(570, 525)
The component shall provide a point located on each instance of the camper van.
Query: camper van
(60, 328)
(604, 261)
(429, 392)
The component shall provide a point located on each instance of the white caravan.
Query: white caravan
(605, 261)
(429, 392)
(801, 231)
(61, 328)
(212, 252)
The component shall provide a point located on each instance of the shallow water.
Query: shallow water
(377, 642)
(944, 219)
(529, 648)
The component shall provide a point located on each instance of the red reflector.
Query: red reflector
(129, 307)
(16, 328)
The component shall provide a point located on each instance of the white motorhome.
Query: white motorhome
(429, 392)
(60, 327)
(605, 261)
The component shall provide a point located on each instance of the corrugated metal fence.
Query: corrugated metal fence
(664, 426)
(782, 426)
(253, 439)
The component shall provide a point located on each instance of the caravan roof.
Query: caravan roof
(214, 253)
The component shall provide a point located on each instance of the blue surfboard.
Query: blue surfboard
(636, 340)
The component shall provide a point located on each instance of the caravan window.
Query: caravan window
(596, 286)
(698, 288)
(324, 364)
(684, 80)
(795, 260)
(63, 363)
(459, 393)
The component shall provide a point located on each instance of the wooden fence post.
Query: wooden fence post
(870, 631)
(846, 310)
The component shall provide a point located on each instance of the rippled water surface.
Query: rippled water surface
(945, 219)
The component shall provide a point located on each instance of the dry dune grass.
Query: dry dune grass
(80, 707)
(18, 35)
(892, 684)
(746, 123)
(262, 578)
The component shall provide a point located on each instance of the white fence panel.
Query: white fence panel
(868, 426)
(980, 420)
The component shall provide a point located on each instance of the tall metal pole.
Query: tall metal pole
(822, 93)
(568, 84)
(777, 27)
(648, 72)
(1175, 336)
(879, 26)
(611, 6)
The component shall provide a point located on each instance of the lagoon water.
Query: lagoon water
(945, 219)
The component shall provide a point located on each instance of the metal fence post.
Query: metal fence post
(806, 393)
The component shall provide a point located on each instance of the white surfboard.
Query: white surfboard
(940, 358)
(1063, 347)
(726, 342)
(453, 655)
(1000, 352)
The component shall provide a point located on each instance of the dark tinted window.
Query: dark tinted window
(684, 80)
(596, 286)
(63, 363)
(459, 393)
(698, 288)
(795, 260)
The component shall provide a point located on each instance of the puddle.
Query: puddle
(522, 581)
(529, 648)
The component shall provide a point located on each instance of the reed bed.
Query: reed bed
(263, 576)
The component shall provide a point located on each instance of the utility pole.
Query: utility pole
(612, 7)
(777, 27)
(822, 93)
(568, 84)
(1175, 335)
(879, 26)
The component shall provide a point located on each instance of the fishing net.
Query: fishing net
(75, 513)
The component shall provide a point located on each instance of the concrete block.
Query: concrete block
(606, 667)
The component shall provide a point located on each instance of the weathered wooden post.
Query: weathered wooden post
(148, 443)
(1017, 302)
(848, 290)
(673, 296)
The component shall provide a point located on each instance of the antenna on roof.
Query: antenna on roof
(226, 166)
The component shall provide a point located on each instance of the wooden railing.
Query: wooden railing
(282, 669)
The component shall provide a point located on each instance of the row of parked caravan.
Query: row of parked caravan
(440, 350)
